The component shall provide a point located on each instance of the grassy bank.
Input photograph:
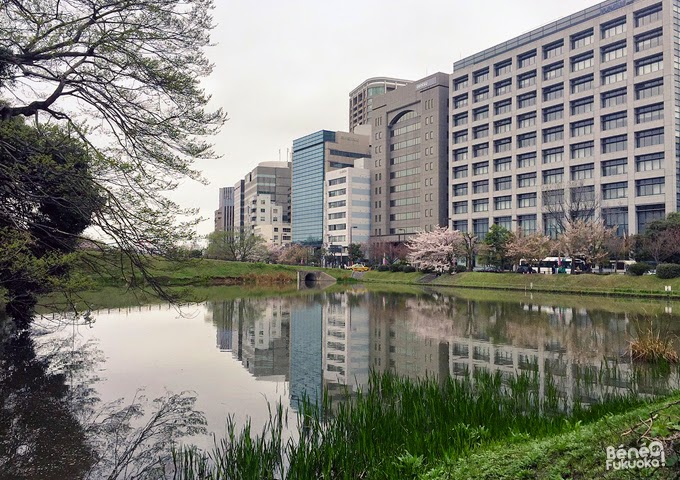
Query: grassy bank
(400, 429)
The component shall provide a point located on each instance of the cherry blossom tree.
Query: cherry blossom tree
(437, 249)
(587, 240)
(532, 247)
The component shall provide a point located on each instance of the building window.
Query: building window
(331, 216)
(526, 140)
(337, 181)
(501, 68)
(526, 79)
(337, 193)
(480, 168)
(649, 64)
(526, 180)
(553, 134)
(460, 119)
(460, 225)
(480, 94)
(648, 138)
(614, 74)
(502, 203)
(583, 196)
(481, 131)
(480, 113)
(480, 150)
(615, 167)
(649, 186)
(611, 191)
(618, 143)
(582, 150)
(649, 113)
(553, 92)
(614, 97)
(339, 226)
(460, 83)
(582, 105)
(553, 155)
(616, 218)
(502, 164)
(481, 75)
(652, 88)
(583, 84)
(551, 114)
(460, 172)
(526, 120)
(460, 137)
(526, 100)
(502, 145)
(481, 205)
(582, 39)
(581, 62)
(582, 172)
(648, 40)
(460, 207)
(647, 214)
(614, 27)
(526, 200)
(502, 126)
(525, 160)
(502, 183)
(405, 173)
(614, 120)
(502, 107)
(526, 224)
(480, 186)
(526, 59)
(503, 87)
(480, 227)
(645, 163)
(404, 187)
(339, 203)
(401, 202)
(584, 127)
(553, 176)
(460, 101)
(460, 154)
(553, 50)
(648, 15)
(407, 129)
(460, 189)
(553, 197)
(613, 51)
(553, 71)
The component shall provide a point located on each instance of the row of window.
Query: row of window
(578, 40)
(619, 166)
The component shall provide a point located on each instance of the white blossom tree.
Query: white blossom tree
(437, 249)
(532, 247)
(587, 240)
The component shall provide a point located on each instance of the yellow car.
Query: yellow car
(359, 267)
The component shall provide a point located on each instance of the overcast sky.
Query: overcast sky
(284, 69)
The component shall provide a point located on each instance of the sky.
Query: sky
(284, 69)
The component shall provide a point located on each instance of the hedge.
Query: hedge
(668, 270)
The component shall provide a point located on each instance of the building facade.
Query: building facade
(313, 156)
(361, 98)
(576, 119)
(347, 200)
(224, 215)
(410, 155)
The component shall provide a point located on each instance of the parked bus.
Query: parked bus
(554, 264)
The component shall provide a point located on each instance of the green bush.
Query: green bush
(382, 268)
(395, 268)
(461, 268)
(409, 269)
(668, 270)
(638, 268)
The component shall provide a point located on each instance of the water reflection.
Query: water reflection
(333, 340)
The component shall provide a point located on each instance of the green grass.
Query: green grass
(396, 429)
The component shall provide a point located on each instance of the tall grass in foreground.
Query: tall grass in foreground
(394, 429)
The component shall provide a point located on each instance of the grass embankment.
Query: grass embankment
(578, 453)
(402, 429)
(585, 284)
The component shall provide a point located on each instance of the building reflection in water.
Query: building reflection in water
(334, 340)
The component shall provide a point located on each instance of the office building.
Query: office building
(361, 98)
(313, 156)
(577, 118)
(224, 215)
(410, 154)
(347, 200)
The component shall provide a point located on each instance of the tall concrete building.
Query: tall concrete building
(347, 201)
(313, 156)
(410, 155)
(263, 202)
(579, 117)
(224, 215)
(361, 98)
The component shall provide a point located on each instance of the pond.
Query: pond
(86, 380)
